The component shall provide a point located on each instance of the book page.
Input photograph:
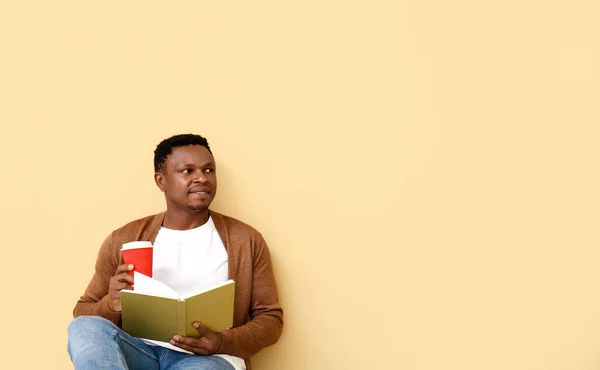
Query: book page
(146, 285)
(165, 345)
(207, 288)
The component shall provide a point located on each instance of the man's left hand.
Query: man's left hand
(208, 343)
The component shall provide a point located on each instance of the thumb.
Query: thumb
(201, 328)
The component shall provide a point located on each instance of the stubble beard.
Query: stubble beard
(196, 208)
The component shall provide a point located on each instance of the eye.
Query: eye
(209, 170)
(187, 170)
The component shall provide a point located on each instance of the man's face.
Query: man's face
(189, 178)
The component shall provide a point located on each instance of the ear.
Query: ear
(159, 178)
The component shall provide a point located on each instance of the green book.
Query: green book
(159, 316)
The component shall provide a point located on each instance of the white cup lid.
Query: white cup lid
(136, 245)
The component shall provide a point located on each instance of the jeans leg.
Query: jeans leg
(173, 360)
(96, 343)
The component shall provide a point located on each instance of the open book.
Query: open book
(155, 311)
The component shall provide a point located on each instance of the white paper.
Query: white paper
(165, 344)
(207, 288)
(146, 285)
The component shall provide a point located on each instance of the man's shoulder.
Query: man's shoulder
(144, 225)
(233, 225)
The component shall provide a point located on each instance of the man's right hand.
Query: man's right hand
(121, 280)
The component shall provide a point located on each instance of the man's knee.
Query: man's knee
(90, 323)
(88, 328)
(86, 331)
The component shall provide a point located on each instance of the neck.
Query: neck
(185, 220)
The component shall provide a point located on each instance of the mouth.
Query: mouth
(200, 192)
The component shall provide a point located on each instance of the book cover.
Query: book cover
(157, 312)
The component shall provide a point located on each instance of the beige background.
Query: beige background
(425, 172)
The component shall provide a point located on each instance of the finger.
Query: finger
(123, 268)
(201, 328)
(121, 286)
(195, 350)
(125, 277)
(190, 341)
(194, 345)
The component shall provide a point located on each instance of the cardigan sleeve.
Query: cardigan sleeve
(94, 302)
(266, 314)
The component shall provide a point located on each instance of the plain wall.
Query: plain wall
(425, 172)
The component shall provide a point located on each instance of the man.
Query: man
(193, 246)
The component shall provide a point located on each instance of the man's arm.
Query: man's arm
(266, 314)
(94, 301)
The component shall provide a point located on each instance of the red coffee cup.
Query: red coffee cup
(138, 254)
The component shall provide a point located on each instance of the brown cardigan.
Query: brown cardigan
(258, 316)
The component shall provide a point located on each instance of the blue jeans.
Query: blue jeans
(96, 343)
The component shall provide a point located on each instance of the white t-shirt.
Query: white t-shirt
(191, 260)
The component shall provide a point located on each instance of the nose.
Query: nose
(199, 176)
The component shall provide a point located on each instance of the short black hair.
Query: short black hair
(165, 148)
